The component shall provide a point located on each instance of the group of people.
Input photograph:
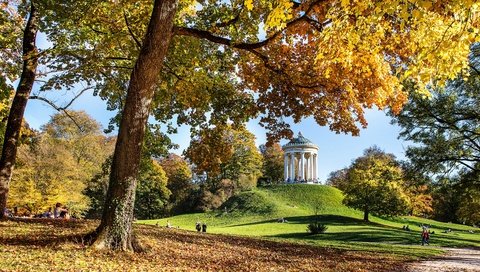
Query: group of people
(199, 226)
(425, 234)
(407, 228)
(300, 180)
(60, 211)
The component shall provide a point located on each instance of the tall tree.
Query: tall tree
(115, 228)
(11, 27)
(179, 181)
(446, 126)
(40, 14)
(446, 131)
(375, 185)
(14, 123)
(152, 191)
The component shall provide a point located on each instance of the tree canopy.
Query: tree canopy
(221, 51)
(56, 166)
(445, 127)
(226, 153)
(272, 169)
(374, 185)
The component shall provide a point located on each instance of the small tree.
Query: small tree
(338, 178)
(152, 192)
(272, 168)
(374, 185)
(179, 182)
(316, 227)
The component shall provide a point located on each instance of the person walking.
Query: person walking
(425, 236)
(198, 226)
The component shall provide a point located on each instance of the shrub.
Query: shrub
(316, 228)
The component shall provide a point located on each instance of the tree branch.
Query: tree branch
(204, 34)
(64, 108)
(139, 44)
(59, 109)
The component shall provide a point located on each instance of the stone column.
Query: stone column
(306, 166)
(310, 170)
(302, 166)
(292, 166)
(285, 167)
(315, 174)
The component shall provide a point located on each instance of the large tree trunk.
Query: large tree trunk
(15, 117)
(115, 230)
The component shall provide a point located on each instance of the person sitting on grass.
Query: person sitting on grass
(48, 214)
(60, 212)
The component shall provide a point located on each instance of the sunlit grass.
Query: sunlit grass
(346, 229)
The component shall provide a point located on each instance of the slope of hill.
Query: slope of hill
(256, 213)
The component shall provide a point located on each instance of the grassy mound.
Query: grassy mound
(304, 199)
(249, 203)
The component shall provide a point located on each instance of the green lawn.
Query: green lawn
(255, 213)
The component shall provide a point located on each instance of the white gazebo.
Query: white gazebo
(300, 160)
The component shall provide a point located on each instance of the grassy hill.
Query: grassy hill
(256, 213)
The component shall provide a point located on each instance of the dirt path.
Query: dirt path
(456, 259)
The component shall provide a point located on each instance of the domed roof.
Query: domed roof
(299, 142)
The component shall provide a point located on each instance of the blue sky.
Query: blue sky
(335, 150)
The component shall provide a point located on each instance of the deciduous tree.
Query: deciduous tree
(375, 185)
(225, 152)
(56, 165)
(338, 178)
(15, 117)
(179, 182)
(19, 59)
(272, 169)
(445, 127)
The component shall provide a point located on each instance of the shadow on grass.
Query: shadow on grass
(419, 224)
(328, 219)
(362, 231)
(45, 232)
(372, 235)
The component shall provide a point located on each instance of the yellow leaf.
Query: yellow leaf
(249, 4)
(425, 4)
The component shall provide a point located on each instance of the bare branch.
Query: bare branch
(59, 109)
(64, 108)
(76, 96)
(118, 58)
(139, 44)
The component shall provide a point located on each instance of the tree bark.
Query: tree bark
(365, 215)
(115, 230)
(17, 110)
